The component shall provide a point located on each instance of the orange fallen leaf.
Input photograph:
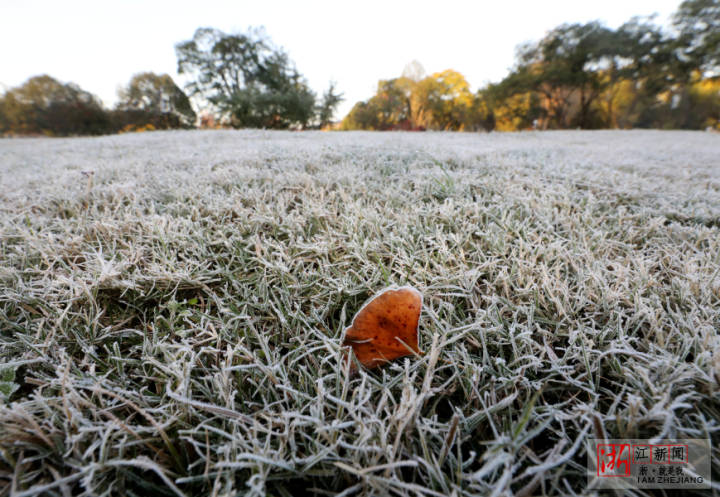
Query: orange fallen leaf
(386, 327)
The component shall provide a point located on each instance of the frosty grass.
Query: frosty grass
(172, 303)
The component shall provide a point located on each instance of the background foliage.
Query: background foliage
(587, 76)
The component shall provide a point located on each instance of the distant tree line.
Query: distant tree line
(577, 76)
(44, 106)
(640, 75)
(241, 80)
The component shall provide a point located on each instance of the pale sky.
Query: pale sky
(100, 45)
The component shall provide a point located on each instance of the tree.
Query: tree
(389, 108)
(363, 115)
(444, 102)
(511, 111)
(246, 78)
(698, 24)
(16, 117)
(660, 75)
(565, 69)
(44, 105)
(705, 104)
(157, 98)
(393, 100)
(328, 105)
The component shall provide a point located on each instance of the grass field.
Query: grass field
(172, 304)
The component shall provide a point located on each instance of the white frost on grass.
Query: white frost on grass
(186, 311)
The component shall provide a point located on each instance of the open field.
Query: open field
(170, 324)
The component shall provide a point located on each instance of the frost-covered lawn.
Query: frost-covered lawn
(170, 324)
